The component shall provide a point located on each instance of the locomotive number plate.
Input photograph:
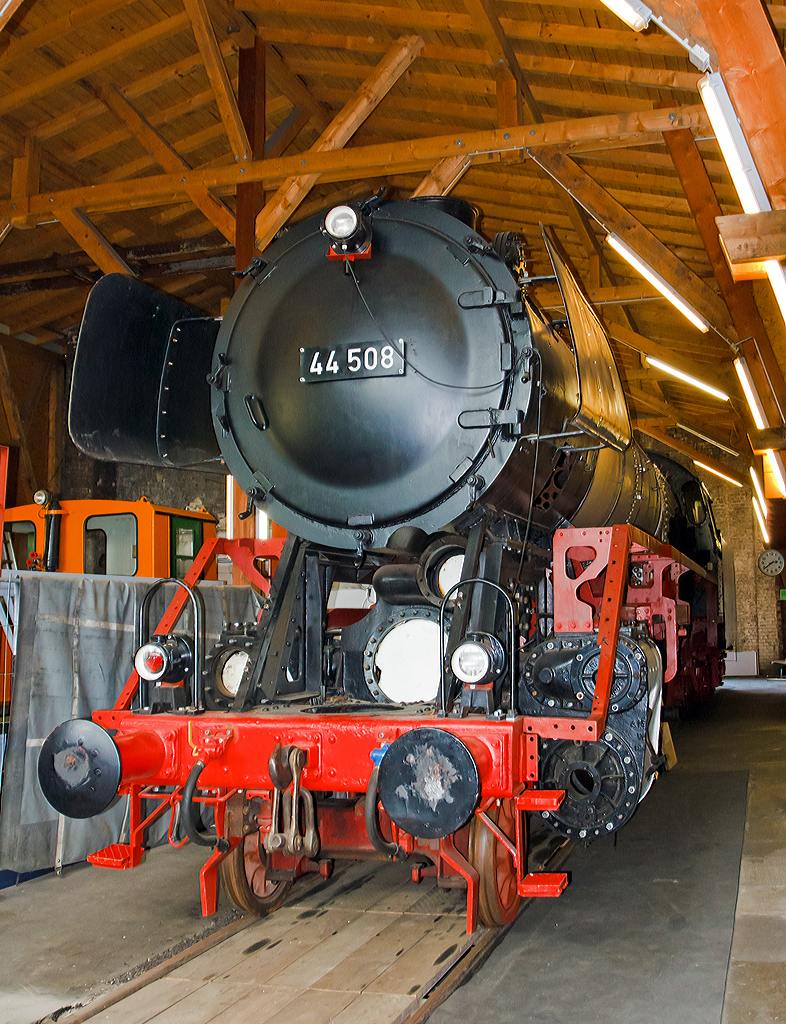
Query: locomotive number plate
(371, 359)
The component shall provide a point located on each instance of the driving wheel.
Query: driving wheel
(498, 898)
(243, 873)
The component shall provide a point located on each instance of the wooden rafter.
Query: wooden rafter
(7, 12)
(614, 217)
(516, 29)
(219, 78)
(168, 158)
(647, 347)
(395, 157)
(694, 453)
(443, 176)
(292, 87)
(753, 68)
(87, 66)
(753, 236)
(88, 237)
(20, 46)
(484, 16)
(738, 296)
(508, 96)
(292, 192)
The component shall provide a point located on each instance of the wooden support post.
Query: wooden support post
(25, 181)
(250, 199)
(17, 430)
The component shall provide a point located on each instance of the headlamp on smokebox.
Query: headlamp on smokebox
(349, 232)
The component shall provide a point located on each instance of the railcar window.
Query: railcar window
(111, 545)
(185, 542)
(18, 544)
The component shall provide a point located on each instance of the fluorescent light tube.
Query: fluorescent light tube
(751, 394)
(739, 159)
(710, 440)
(658, 282)
(687, 378)
(759, 491)
(762, 527)
(716, 472)
(634, 14)
(733, 144)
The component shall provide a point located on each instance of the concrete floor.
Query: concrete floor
(684, 918)
(746, 728)
(65, 939)
(702, 951)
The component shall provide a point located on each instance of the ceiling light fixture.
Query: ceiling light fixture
(637, 15)
(716, 472)
(708, 439)
(686, 377)
(751, 394)
(778, 470)
(759, 491)
(742, 168)
(765, 536)
(655, 279)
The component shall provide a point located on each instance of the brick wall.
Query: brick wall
(758, 613)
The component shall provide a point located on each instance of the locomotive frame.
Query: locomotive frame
(237, 764)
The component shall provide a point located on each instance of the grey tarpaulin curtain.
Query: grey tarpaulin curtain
(75, 648)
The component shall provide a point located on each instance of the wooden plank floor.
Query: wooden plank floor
(362, 948)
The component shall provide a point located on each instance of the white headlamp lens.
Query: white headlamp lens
(341, 222)
(470, 663)
(150, 662)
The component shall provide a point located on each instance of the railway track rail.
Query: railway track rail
(366, 944)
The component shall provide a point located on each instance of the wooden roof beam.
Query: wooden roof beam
(753, 236)
(694, 454)
(751, 62)
(484, 17)
(292, 192)
(9, 9)
(215, 211)
(88, 237)
(219, 78)
(443, 176)
(740, 302)
(293, 88)
(646, 347)
(87, 66)
(19, 47)
(510, 109)
(393, 157)
(614, 217)
(516, 29)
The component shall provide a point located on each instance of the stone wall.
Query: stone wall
(758, 626)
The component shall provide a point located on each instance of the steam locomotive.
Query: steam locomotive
(537, 585)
